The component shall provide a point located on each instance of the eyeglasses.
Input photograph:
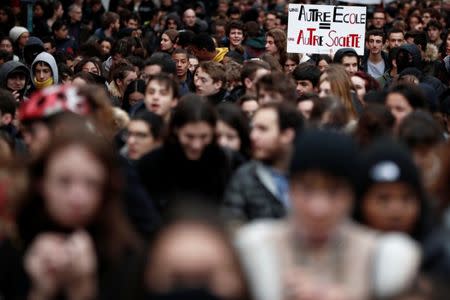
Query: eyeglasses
(139, 135)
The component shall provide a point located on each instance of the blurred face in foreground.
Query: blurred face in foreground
(320, 203)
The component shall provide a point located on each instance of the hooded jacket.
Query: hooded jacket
(33, 47)
(50, 60)
(414, 51)
(9, 67)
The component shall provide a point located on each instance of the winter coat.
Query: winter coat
(252, 194)
(168, 174)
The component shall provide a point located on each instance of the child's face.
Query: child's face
(159, 98)
(391, 207)
(320, 203)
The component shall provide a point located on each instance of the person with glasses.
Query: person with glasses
(143, 134)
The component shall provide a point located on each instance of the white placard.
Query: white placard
(324, 29)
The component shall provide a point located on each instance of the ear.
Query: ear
(218, 84)
(287, 136)
(248, 83)
(174, 103)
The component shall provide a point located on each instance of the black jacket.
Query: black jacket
(252, 194)
(168, 174)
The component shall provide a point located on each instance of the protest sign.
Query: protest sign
(324, 29)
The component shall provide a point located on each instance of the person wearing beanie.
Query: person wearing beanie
(390, 194)
(348, 58)
(20, 36)
(44, 71)
(318, 240)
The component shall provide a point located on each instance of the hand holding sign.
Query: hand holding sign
(324, 28)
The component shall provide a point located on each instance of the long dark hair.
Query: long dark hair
(137, 85)
(110, 230)
(233, 116)
(191, 109)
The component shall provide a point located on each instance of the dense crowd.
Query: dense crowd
(168, 149)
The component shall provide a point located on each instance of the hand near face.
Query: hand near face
(46, 262)
(80, 249)
(81, 283)
(57, 263)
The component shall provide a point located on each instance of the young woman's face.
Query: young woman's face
(360, 86)
(105, 47)
(135, 97)
(325, 89)
(227, 136)
(289, 66)
(166, 43)
(91, 68)
(399, 106)
(72, 186)
(391, 207)
(271, 48)
(194, 138)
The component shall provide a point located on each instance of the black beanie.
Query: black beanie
(387, 161)
(330, 152)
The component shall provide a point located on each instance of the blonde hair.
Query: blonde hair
(340, 85)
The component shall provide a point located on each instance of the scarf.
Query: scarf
(42, 84)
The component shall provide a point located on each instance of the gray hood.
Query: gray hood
(10, 66)
(50, 60)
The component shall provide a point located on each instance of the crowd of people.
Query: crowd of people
(174, 150)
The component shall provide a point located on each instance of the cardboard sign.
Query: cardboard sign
(324, 29)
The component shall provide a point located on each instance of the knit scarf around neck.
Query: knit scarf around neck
(42, 84)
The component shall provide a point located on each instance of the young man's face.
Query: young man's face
(266, 96)
(320, 203)
(36, 136)
(204, 84)
(434, 34)
(304, 87)
(140, 140)
(61, 33)
(351, 64)
(379, 20)
(375, 43)
(48, 48)
(236, 36)
(265, 135)
(159, 99)
(396, 39)
(132, 24)
(391, 206)
(42, 72)
(182, 64)
(270, 21)
(16, 82)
